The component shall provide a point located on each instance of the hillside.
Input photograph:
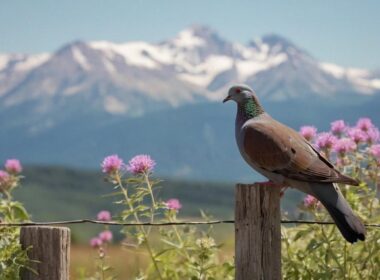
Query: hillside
(57, 193)
(193, 142)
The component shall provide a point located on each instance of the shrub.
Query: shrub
(12, 257)
(320, 252)
(184, 252)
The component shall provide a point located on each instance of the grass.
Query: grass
(126, 262)
(56, 193)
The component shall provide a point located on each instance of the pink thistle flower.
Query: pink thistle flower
(112, 164)
(96, 242)
(104, 216)
(309, 201)
(338, 127)
(344, 145)
(4, 177)
(309, 132)
(173, 204)
(375, 151)
(364, 124)
(13, 166)
(141, 164)
(105, 236)
(373, 135)
(357, 135)
(325, 140)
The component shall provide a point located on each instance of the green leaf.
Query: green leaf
(19, 212)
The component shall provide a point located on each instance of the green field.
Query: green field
(57, 193)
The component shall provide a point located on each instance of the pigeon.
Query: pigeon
(287, 159)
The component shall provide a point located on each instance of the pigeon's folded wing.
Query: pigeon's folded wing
(277, 148)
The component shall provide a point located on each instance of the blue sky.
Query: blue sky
(340, 31)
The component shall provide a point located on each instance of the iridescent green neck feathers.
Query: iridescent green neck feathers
(251, 108)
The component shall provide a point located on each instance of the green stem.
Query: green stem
(150, 251)
(8, 195)
(333, 255)
(345, 259)
(201, 270)
(149, 185)
(372, 198)
(102, 267)
(9, 215)
(180, 240)
(152, 209)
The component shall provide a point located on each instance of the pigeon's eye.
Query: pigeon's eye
(238, 90)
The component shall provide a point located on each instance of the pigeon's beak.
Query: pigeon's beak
(226, 99)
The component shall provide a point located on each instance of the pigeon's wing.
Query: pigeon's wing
(277, 148)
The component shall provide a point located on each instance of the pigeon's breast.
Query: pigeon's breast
(240, 136)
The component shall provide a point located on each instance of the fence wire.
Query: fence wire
(180, 223)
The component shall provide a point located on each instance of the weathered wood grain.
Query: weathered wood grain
(257, 232)
(51, 248)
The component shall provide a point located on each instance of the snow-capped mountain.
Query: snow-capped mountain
(197, 65)
(90, 99)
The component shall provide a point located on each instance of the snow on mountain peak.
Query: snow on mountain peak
(362, 79)
(204, 73)
(22, 62)
(196, 36)
(5, 59)
(276, 44)
(197, 64)
(187, 39)
(139, 54)
(248, 68)
(80, 58)
(333, 69)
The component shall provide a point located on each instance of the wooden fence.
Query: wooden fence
(257, 239)
(257, 232)
(50, 246)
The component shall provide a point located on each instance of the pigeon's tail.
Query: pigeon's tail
(347, 222)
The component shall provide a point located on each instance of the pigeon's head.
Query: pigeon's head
(240, 94)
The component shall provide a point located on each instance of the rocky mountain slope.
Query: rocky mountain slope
(89, 99)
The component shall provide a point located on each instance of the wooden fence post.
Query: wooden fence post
(257, 232)
(51, 248)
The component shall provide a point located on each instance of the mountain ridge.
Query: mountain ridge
(91, 99)
(196, 65)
